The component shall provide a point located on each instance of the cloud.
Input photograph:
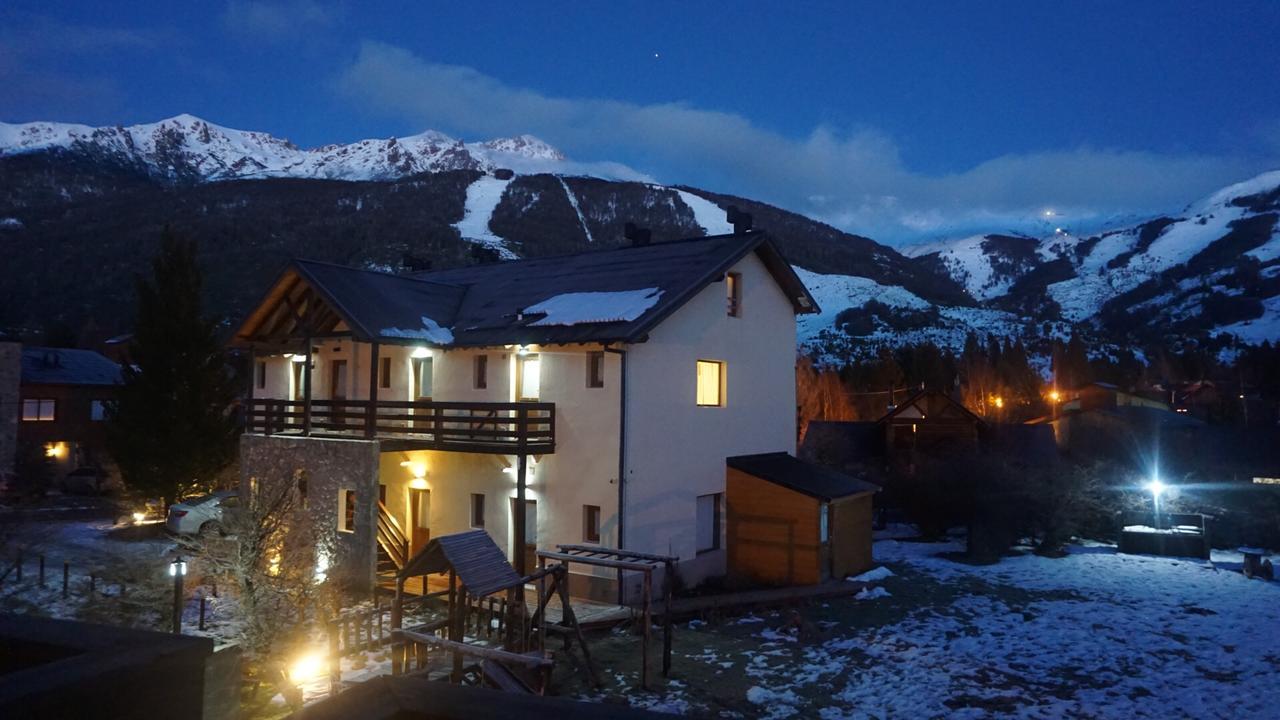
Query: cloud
(854, 179)
(287, 19)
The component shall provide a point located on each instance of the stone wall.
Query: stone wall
(330, 466)
(10, 407)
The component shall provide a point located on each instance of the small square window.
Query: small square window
(591, 523)
(710, 383)
(733, 294)
(39, 410)
(481, 372)
(477, 510)
(384, 372)
(97, 410)
(595, 369)
(347, 508)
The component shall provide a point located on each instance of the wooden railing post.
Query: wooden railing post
(306, 391)
(371, 412)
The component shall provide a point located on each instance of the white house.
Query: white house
(605, 388)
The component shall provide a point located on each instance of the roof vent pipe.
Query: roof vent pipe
(741, 221)
(638, 236)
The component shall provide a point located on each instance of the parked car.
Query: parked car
(202, 515)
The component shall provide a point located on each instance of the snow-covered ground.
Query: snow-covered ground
(967, 262)
(1096, 634)
(483, 197)
(709, 216)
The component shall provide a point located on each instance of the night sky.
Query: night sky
(902, 121)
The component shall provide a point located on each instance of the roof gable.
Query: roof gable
(930, 405)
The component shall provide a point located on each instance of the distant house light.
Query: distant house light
(1266, 481)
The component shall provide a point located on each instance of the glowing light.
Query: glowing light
(307, 667)
(416, 468)
(1156, 488)
(1048, 213)
(522, 350)
(138, 517)
(420, 352)
(298, 358)
(1054, 395)
(273, 566)
(177, 567)
(55, 450)
(322, 566)
(419, 484)
(999, 401)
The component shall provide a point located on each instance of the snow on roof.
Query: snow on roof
(594, 307)
(431, 331)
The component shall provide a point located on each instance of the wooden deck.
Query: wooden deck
(590, 613)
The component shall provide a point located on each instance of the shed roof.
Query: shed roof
(473, 555)
(64, 366)
(499, 303)
(784, 469)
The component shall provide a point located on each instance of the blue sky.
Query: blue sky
(902, 121)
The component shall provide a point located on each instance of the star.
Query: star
(655, 56)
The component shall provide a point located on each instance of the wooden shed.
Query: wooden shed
(795, 523)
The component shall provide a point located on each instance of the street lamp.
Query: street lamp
(178, 571)
(1156, 488)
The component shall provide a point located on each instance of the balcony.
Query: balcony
(500, 428)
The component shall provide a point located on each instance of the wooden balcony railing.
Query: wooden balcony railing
(466, 427)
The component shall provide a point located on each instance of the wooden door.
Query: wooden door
(419, 519)
(338, 381)
(530, 533)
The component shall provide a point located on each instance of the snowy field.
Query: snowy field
(1093, 635)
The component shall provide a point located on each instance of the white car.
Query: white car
(200, 515)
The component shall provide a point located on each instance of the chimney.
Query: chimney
(638, 236)
(741, 221)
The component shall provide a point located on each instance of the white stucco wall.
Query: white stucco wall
(675, 449)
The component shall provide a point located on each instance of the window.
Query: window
(710, 383)
(708, 525)
(481, 379)
(422, 371)
(39, 410)
(347, 510)
(261, 374)
(477, 510)
(824, 523)
(733, 294)
(591, 523)
(384, 372)
(529, 371)
(97, 410)
(595, 369)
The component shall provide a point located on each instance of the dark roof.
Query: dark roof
(410, 697)
(935, 405)
(477, 559)
(63, 366)
(484, 305)
(784, 469)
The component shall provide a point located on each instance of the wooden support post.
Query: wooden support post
(371, 412)
(397, 645)
(455, 632)
(248, 397)
(666, 618)
(644, 641)
(306, 390)
(570, 618)
(521, 532)
(202, 603)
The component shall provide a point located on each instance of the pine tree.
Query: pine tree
(172, 428)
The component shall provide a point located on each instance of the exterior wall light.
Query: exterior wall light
(420, 352)
(522, 350)
(298, 358)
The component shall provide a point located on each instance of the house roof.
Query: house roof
(473, 555)
(930, 405)
(64, 366)
(784, 469)
(604, 296)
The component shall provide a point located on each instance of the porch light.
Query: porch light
(298, 358)
(306, 667)
(178, 568)
(420, 352)
(55, 450)
(522, 350)
(416, 468)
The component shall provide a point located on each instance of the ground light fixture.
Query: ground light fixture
(1156, 488)
(178, 571)
(306, 667)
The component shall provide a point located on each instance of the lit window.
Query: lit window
(710, 383)
(591, 523)
(708, 524)
(347, 508)
(595, 369)
(530, 377)
(481, 372)
(39, 410)
(733, 294)
(97, 410)
(477, 510)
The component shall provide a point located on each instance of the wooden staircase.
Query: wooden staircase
(393, 544)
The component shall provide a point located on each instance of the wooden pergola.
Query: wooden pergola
(627, 561)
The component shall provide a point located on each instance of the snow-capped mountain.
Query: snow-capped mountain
(187, 148)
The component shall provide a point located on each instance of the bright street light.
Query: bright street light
(1156, 488)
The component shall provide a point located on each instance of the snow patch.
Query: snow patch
(431, 331)
(872, 593)
(573, 200)
(594, 307)
(873, 575)
(10, 223)
(709, 216)
(483, 197)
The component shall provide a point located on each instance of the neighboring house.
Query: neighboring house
(10, 403)
(1105, 396)
(590, 398)
(64, 398)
